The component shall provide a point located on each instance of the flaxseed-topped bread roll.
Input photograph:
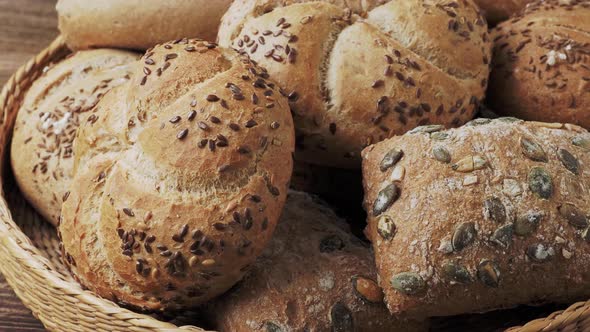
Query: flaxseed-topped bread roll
(487, 216)
(362, 71)
(47, 121)
(541, 65)
(313, 276)
(137, 24)
(500, 10)
(180, 177)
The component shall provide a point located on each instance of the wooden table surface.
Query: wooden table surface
(26, 27)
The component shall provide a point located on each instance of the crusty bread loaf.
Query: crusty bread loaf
(360, 71)
(180, 178)
(137, 24)
(491, 215)
(49, 116)
(541, 65)
(313, 276)
(496, 11)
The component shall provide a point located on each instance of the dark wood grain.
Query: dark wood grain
(26, 27)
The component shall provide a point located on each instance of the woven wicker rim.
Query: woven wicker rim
(59, 302)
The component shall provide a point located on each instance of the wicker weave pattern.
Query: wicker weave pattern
(30, 262)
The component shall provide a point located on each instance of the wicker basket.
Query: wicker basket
(31, 264)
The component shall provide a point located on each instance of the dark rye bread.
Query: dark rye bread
(45, 127)
(541, 64)
(313, 276)
(358, 72)
(487, 216)
(179, 179)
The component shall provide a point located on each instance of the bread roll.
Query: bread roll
(314, 276)
(137, 24)
(47, 121)
(541, 66)
(496, 11)
(359, 72)
(180, 178)
(488, 216)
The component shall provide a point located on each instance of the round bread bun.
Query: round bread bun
(541, 64)
(180, 178)
(45, 127)
(359, 72)
(324, 280)
(496, 11)
(137, 24)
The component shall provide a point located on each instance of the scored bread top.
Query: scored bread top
(487, 216)
(359, 73)
(314, 276)
(180, 178)
(45, 127)
(541, 65)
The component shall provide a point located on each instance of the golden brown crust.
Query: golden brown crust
(49, 116)
(180, 178)
(354, 77)
(313, 276)
(496, 11)
(541, 65)
(488, 216)
(137, 24)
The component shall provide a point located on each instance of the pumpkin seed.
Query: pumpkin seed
(469, 164)
(341, 318)
(478, 122)
(582, 142)
(569, 161)
(540, 253)
(440, 136)
(455, 272)
(386, 227)
(385, 198)
(408, 283)
(489, 273)
(390, 159)
(367, 289)
(464, 236)
(574, 216)
(527, 223)
(493, 209)
(427, 129)
(540, 182)
(532, 150)
(272, 327)
(503, 236)
(441, 154)
(508, 119)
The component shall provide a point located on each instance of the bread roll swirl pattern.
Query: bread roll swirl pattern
(180, 178)
(359, 72)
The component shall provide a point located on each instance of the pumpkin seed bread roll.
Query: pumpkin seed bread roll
(357, 72)
(541, 65)
(45, 127)
(137, 24)
(179, 179)
(496, 11)
(491, 215)
(324, 280)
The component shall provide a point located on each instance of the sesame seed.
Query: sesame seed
(128, 212)
(182, 134)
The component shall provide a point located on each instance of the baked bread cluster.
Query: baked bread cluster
(168, 175)
(359, 72)
(500, 218)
